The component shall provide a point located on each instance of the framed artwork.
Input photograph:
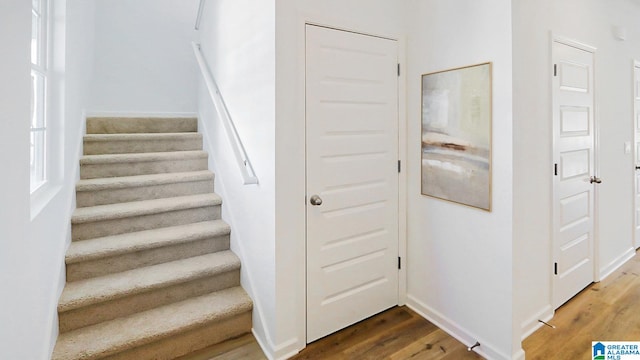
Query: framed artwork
(456, 135)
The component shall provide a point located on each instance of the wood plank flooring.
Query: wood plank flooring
(609, 310)
(396, 334)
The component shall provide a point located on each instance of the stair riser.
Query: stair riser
(114, 125)
(188, 342)
(93, 171)
(109, 310)
(124, 262)
(140, 146)
(138, 193)
(95, 229)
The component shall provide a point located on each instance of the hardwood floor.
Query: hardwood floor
(396, 334)
(609, 310)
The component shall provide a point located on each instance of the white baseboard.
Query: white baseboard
(532, 324)
(617, 262)
(518, 355)
(485, 350)
(288, 349)
(264, 344)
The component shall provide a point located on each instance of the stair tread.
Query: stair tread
(138, 329)
(113, 245)
(86, 292)
(141, 180)
(141, 136)
(142, 157)
(144, 207)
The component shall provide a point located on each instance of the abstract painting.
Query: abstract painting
(456, 135)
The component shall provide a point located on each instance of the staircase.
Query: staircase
(149, 270)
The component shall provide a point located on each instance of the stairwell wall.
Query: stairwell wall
(16, 278)
(35, 228)
(237, 39)
(143, 58)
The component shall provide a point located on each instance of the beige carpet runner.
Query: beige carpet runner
(149, 270)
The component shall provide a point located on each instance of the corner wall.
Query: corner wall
(237, 39)
(590, 22)
(460, 258)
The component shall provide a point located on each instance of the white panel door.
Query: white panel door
(636, 126)
(574, 180)
(352, 154)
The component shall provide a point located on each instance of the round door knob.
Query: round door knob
(315, 200)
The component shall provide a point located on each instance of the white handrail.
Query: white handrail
(199, 16)
(246, 169)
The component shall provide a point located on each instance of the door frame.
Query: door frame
(402, 155)
(635, 91)
(554, 38)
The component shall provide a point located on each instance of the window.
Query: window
(39, 73)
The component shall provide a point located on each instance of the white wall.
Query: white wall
(460, 258)
(590, 22)
(35, 230)
(237, 38)
(17, 317)
(376, 17)
(143, 58)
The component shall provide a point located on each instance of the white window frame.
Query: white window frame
(40, 46)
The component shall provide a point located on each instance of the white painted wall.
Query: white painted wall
(459, 258)
(238, 41)
(35, 230)
(376, 17)
(143, 58)
(15, 305)
(590, 22)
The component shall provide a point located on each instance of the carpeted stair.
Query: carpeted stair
(149, 270)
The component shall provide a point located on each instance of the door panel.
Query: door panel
(352, 152)
(574, 136)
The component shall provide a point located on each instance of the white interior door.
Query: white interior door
(574, 180)
(636, 126)
(352, 178)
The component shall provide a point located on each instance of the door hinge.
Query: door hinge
(398, 69)
(555, 69)
(555, 169)
(399, 263)
(399, 166)
(555, 268)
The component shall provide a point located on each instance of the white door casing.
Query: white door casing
(636, 159)
(574, 180)
(351, 165)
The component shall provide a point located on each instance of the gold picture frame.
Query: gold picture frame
(456, 135)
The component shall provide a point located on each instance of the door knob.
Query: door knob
(596, 180)
(315, 200)
(637, 167)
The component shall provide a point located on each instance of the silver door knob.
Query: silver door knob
(596, 180)
(315, 200)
